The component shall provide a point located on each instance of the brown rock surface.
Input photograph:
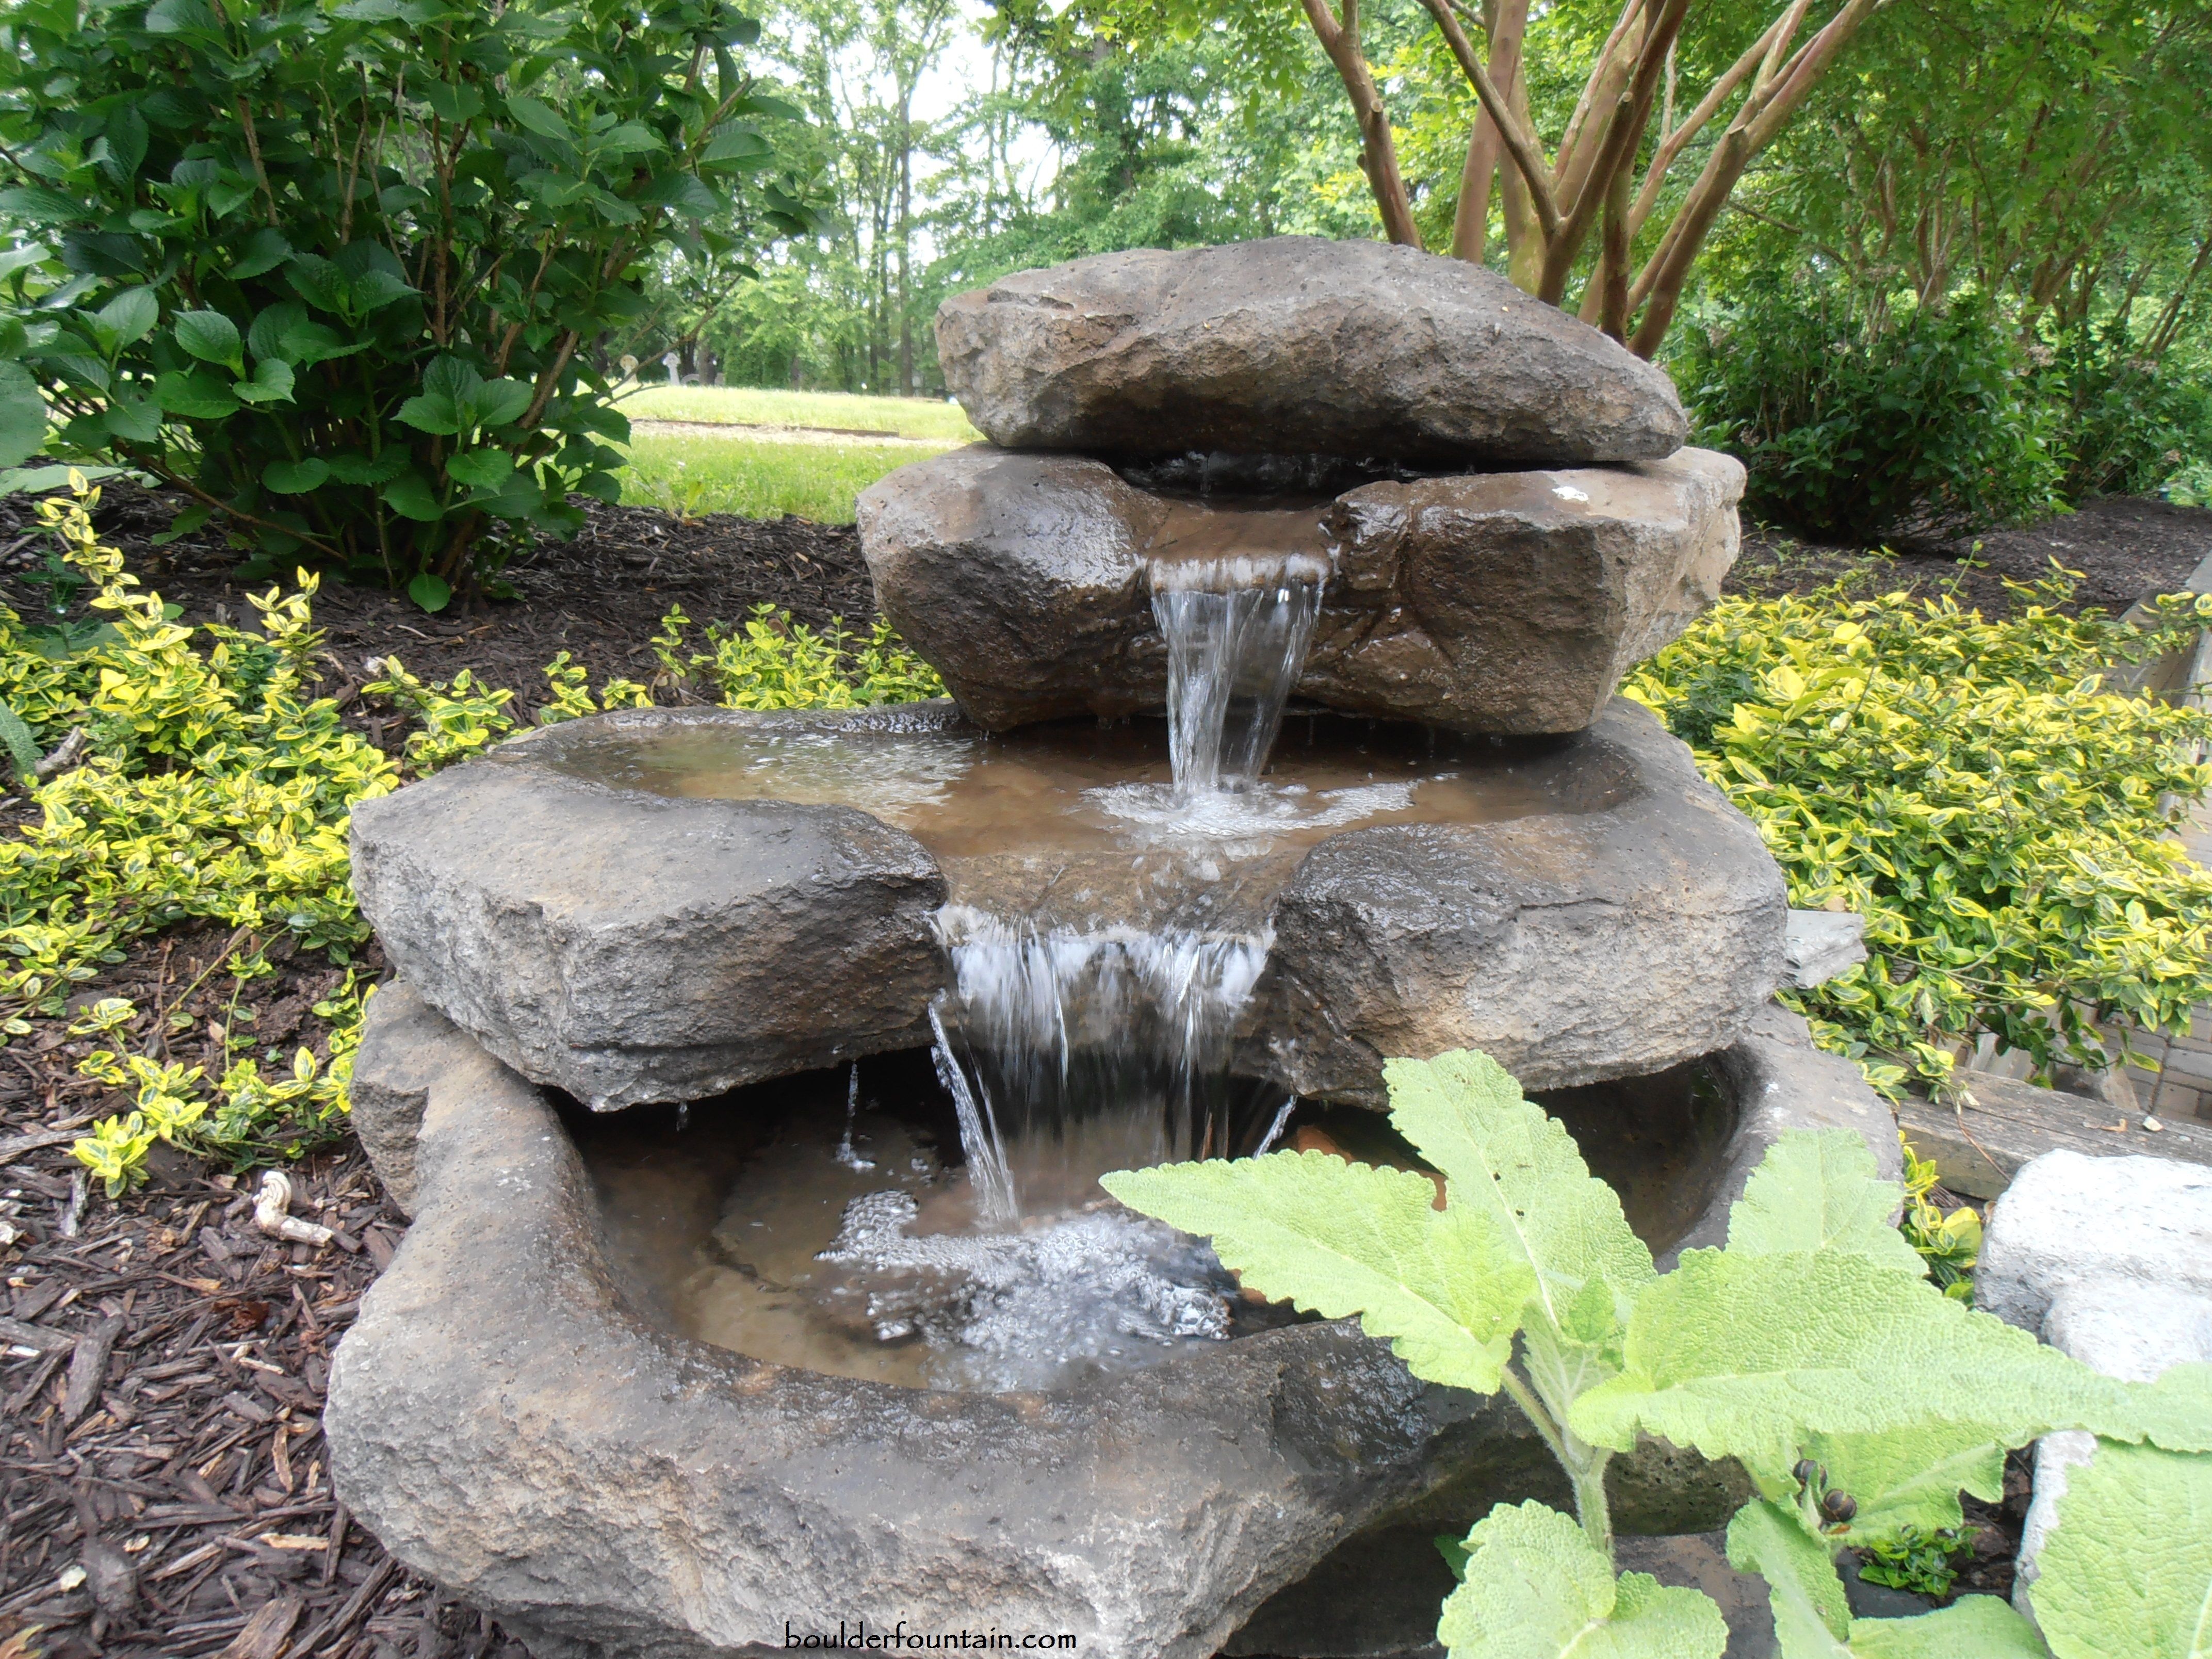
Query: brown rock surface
(1503, 603)
(1298, 345)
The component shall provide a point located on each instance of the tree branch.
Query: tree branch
(1520, 143)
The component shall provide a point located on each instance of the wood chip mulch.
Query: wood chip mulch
(164, 1485)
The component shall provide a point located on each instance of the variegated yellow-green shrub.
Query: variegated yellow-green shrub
(1999, 814)
(212, 787)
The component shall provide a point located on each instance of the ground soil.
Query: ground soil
(163, 1486)
(2124, 548)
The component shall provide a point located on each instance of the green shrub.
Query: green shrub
(2003, 822)
(1861, 426)
(1859, 1399)
(2127, 424)
(337, 269)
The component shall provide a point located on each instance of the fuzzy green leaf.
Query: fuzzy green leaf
(2127, 1572)
(1535, 1587)
(1503, 1155)
(1818, 1190)
(1972, 1627)
(1811, 1615)
(1743, 1355)
(1342, 1238)
(1911, 1477)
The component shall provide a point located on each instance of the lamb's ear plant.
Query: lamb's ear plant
(1814, 1350)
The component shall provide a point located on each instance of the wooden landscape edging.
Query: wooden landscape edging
(1978, 1145)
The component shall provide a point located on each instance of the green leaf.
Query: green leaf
(40, 205)
(22, 416)
(431, 592)
(131, 315)
(263, 252)
(354, 469)
(1342, 1238)
(1972, 1627)
(537, 118)
(131, 416)
(481, 469)
(1910, 1477)
(455, 104)
(1743, 1355)
(271, 382)
(2127, 1572)
(210, 336)
(432, 412)
(1536, 1587)
(198, 396)
(1818, 1190)
(1502, 1156)
(411, 497)
(501, 402)
(1811, 1614)
(296, 477)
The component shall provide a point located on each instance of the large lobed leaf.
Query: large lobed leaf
(1505, 1157)
(1536, 1587)
(2127, 1573)
(1818, 1190)
(1745, 1355)
(1342, 1238)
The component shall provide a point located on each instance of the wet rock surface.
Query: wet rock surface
(502, 1414)
(1298, 345)
(1501, 603)
(1570, 948)
(503, 1419)
(627, 947)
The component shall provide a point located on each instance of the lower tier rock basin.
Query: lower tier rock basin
(520, 1414)
(658, 905)
(743, 1222)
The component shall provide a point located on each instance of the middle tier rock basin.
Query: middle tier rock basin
(658, 905)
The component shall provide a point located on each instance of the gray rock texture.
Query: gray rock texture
(2125, 1289)
(629, 947)
(2057, 1229)
(504, 1420)
(1298, 345)
(1571, 947)
(1819, 945)
(1508, 603)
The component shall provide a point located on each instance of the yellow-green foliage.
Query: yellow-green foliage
(2002, 820)
(770, 662)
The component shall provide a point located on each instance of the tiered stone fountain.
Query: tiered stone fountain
(749, 1075)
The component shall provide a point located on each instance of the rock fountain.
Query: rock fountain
(750, 1074)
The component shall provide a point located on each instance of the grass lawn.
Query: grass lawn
(909, 418)
(693, 475)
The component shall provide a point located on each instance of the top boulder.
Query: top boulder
(1299, 345)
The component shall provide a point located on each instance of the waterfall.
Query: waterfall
(1068, 1054)
(1234, 656)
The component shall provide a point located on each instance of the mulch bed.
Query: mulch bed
(164, 1488)
(600, 597)
(2125, 547)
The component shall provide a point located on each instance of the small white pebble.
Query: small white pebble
(2153, 1126)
